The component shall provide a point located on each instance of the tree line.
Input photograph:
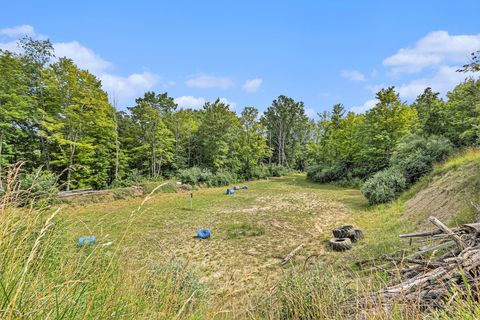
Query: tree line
(393, 144)
(57, 117)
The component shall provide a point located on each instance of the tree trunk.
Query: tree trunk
(117, 150)
(154, 161)
(70, 162)
(279, 142)
(69, 168)
(270, 145)
(1, 167)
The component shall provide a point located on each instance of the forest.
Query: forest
(60, 124)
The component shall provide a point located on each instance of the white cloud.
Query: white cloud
(369, 104)
(376, 87)
(124, 88)
(233, 105)
(353, 75)
(205, 81)
(443, 80)
(184, 102)
(21, 30)
(310, 112)
(436, 48)
(252, 85)
(84, 57)
(169, 84)
(11, 46)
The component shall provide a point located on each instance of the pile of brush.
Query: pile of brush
(445, 268)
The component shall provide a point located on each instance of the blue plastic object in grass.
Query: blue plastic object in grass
(85, 241)
(203, 233)
(245, 187)
(236, 188)
(230, 192)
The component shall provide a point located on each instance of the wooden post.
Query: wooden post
(191, 200)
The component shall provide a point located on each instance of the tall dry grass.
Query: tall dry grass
(342, 293)
(45, 275)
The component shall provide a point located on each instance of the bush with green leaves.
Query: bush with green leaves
(384, 186)
(326, 173)
(416, 155)
(276, 170)
(221, 178)
(38, 187)
(258, 172)
(192, 175)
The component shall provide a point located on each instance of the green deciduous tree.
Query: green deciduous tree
(462, 112)
(219, 137)
(79, 125)
(383, 127)
(253, 143)
(16, 105)
(287, 127)
(156, 142)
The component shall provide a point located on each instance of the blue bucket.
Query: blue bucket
(230, 191)
(203, 233)
(87, 240)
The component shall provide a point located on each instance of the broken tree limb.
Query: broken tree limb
(421, 234)
(426, 263)
(462, 245)
(428, 279)
(442, 245)
(427, 233)
(292, 254)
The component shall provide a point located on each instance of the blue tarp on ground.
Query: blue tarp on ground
(84, 241)
(203, 233)
(230, 191)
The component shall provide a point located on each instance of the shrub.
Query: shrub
(195, 175)
(191, 175)
(417, 155)
(326, 173)
(258, 172)
(132, 178)
(384, 186)
(276, 170)
(221, 178)
(38, 187)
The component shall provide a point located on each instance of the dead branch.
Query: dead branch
(292, 254)
(448, 231)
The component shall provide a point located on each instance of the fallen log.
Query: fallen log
(289, 256)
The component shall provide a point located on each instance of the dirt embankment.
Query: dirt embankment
(448, 191)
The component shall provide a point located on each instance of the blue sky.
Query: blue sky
(249, 52)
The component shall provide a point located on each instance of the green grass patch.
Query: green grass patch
(240, 230)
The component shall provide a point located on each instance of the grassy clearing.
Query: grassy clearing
(154, 268)
(251, 232)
